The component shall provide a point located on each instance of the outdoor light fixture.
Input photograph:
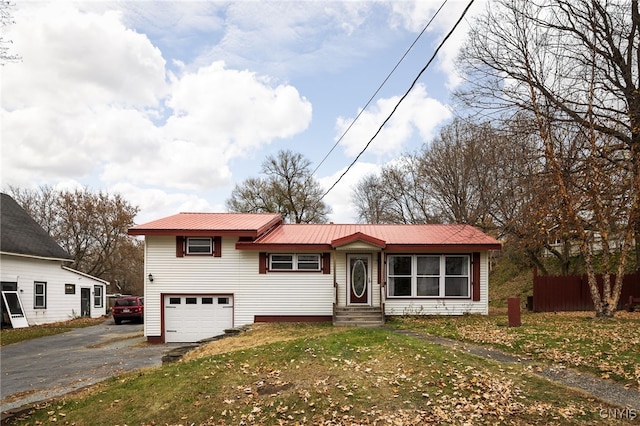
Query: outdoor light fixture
(150, 278)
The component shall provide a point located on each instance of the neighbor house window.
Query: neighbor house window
(428, 276)
(39, 295)
(69, 289)
(294, 262)
(199, 245)
(97, 296)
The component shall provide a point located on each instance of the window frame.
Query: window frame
(42, 294)
(442, 276)
(296, 260)
(69, 289)
(188, 247)
(98, 296)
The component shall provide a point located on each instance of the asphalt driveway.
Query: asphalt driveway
(51, 366)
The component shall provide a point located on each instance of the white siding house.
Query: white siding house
(37, 287)
(206, 272)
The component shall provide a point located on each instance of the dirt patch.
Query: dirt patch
(260, 334)
(115, 340)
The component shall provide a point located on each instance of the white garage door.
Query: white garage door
(189, 318)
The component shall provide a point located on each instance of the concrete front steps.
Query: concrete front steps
(358, 316)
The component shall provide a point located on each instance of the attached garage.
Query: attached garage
(191, 317)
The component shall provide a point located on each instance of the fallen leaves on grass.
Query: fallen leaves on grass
(608, 347)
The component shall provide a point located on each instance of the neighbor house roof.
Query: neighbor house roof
(388, 237)
(21, 234)
(199, 224)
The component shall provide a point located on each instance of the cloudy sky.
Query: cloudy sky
(172, 103)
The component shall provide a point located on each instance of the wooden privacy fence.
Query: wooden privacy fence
(571, 293)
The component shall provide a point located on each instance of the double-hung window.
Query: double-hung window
(199, 245)
(426, 276)
(294, 262)
(97, 296)
(39, 295)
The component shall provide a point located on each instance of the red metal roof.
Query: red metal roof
(400, 236)
(188, 224)
(271, 233)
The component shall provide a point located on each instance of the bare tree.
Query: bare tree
(288, 188)
(92, 228)
(6, 19)
(574, 65)
(370, 199)
(400, 193)
(458, 173)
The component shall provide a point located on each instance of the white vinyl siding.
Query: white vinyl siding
(61, 306)
(236, 274)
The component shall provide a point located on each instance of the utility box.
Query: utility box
(513, 310)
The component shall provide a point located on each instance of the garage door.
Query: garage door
(189, 318)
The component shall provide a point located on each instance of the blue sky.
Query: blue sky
(172, 103)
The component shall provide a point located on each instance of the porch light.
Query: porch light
(150, 278)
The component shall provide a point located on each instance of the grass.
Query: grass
(609, 348)
(508, 279)
(318, 374)
(15, 335)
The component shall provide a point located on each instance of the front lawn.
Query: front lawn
(317, 374)
(609, 347)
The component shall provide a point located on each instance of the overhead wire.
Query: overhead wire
(435, 53)
(379, 88)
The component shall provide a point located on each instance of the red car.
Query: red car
(128, 308)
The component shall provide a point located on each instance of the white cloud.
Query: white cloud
(414, 16)
(217, 115)
(417, 111)
(340, 197)
(91, 99)
(70, 58)
(155, 203)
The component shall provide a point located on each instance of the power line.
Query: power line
(464, 12)
(378, 89)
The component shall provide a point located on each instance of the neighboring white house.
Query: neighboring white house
(37, 287)
(206, 272)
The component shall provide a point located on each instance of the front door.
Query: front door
(359, 278)
(85, 302)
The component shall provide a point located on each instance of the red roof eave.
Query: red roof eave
(416, 248)
(242, 245)
(195, 232)
(244, 232)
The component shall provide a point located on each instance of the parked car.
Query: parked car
(128, 308)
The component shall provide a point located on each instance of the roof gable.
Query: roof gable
(358, 237)
(21, 234)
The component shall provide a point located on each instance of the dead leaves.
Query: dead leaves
(610, 347)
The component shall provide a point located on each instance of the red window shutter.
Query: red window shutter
(476, 277)
(326, 263)
(262, 267)
(217, 246)
(179, 246)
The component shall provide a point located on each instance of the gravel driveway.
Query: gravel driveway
(51, 366)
